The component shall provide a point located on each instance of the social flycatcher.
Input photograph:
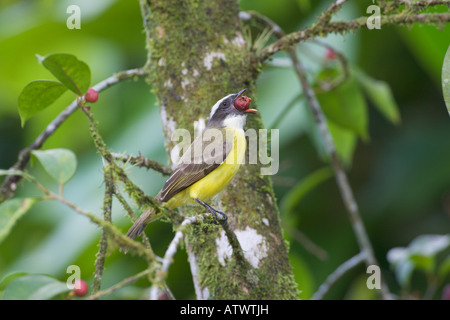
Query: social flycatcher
(201, 175)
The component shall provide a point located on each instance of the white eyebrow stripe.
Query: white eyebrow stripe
(216, 106)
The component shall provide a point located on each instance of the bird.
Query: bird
(199, 176)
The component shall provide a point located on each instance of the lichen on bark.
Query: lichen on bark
(196, 55)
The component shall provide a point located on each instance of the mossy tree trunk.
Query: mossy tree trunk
(197, 55)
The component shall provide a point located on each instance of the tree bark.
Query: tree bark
(196, 55)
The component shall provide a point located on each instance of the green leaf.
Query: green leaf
(428, 44)
(12, 210)
(38, 95)
(380, 94)
(429, 245)
(304, 5)
(298, 192)
(403, 267)
(10, 277)
(420, 255)
(73, 73)
(345, 142)
(425, 263)
(444, 268)
(403, 272)
(34, 287)
(446, 80)
(357, 289)
(60, 164)
(346, 107)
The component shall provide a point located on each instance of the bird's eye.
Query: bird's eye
(224, 103)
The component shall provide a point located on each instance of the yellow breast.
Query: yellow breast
(219, 178)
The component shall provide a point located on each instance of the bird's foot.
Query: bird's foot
(214, 212)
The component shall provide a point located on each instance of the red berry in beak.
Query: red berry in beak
(242, 103)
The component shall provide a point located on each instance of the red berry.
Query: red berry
(330, 54)
(446, 292)
(91, 95)
(81, 288)
(242, 103)
(163, 296)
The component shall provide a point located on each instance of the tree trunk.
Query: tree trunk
(197, 55)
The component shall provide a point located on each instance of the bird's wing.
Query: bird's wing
(193, 165)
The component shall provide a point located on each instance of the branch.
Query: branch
(326, 16)
(119, 285)
(132, 215)
(307, 243)
(419, 5)
(161, 274)
(139, 196)
(107, 208)
(141, 161)
(279, 33)
(10, 183)
(337, 274)
(133, 190)
(341, 27)
(114, 233)
(325, 87)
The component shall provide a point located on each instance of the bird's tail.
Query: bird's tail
(142, 222)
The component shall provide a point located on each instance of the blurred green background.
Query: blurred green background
(400, 174)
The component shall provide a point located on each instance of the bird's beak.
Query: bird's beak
(240, 93)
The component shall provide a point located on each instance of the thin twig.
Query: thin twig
(139, 196)
(342, 27)
(141, 161)
(125, 204)
(132, 215)
(326, 16)
(307, 243)
(337, 274)
(345, 68)
(119, 285)
(112, 230)
(159, 283)
(133, 190)
(10, 184)
(419, 4)
(103, 246)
